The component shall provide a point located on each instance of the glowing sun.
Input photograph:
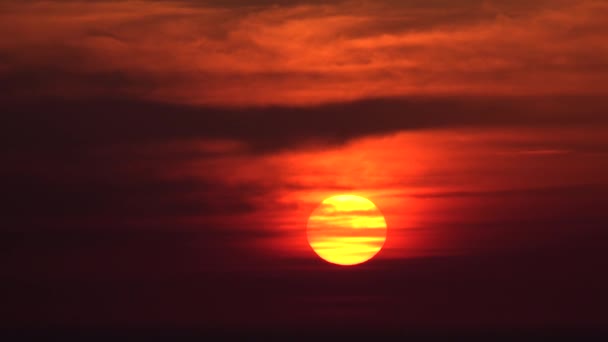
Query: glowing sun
(346, 230)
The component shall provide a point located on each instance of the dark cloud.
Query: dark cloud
(74, 125)
(85, 200)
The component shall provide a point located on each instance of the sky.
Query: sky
(161, 161)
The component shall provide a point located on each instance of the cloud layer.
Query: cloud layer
(302, 53)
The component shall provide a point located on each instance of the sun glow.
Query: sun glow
(346, 230)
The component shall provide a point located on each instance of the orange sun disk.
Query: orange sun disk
(346, 230)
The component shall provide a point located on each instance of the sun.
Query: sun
(346, 230)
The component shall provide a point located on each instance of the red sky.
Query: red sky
(146, 142)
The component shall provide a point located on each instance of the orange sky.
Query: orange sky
(161, 160)
(431, 165)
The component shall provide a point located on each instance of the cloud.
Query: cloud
(302, 53)
(68, 125)
(567, 191)
(86, 198)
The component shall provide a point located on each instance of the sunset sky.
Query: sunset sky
(161, 160)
